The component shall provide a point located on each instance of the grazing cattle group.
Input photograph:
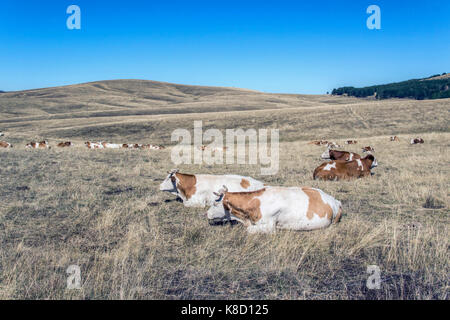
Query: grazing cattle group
(259, 207)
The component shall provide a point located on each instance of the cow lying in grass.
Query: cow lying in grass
(197, 190)
(344, 170)
(339, 155)
(94, 145)
(65, 144)
(38, 145)
(4, 144)
(277, 207)
(416, 141)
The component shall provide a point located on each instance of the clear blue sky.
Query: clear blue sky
(273, 46)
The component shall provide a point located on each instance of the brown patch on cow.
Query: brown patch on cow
(316, 205)
(245, 183)
(186, 184)
(342, 155)
(244, 205)
(4, 144)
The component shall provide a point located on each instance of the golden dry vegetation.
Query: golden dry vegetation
(102, 210)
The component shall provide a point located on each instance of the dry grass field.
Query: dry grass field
(102, 209)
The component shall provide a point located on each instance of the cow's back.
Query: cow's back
(207, 184)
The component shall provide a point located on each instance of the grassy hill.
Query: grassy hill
(102, 209)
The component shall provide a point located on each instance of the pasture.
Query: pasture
(102, 209)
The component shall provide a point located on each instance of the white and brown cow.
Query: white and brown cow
(213, 149)
(351, 142)
(416, 140)
(94, 145)
(38, 145)
(368, 149)
(152, 147)
(339, 155)
(197, 190)
(333, 144)
(395, 138)
(345, 170)
(319, 142)
(4, 144)
(295, 208)
(108, 145)
(65, 144)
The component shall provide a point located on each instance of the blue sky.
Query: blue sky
(272, 46)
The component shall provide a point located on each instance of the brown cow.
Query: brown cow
(351, 142)
(65, 144)
(395, 138)
(35, 145)
(416, 140)
(4, 144)
(339, 155)
(345, 170)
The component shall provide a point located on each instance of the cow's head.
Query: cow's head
(170, 182)
(373, 160)
(217, 212)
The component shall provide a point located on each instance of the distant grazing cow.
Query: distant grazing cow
(277, 207)
(319, 142)
(368, 149)
(4, 144)
(203, 148)
(108, 145)
(416, 140)
(339, 155)
(395, 138)
(38, 145)
(131, 146)
(65, 144)
(1, 134)
(343, 170)
(351, 142)
(152, 146)
(333, 145)
(197, 190)
(94, 145)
